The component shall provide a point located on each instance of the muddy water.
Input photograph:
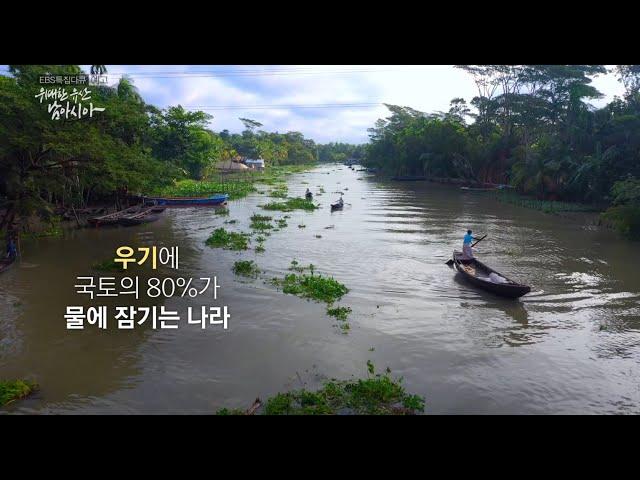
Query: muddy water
(571, 346)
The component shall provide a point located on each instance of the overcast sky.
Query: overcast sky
(427, 88)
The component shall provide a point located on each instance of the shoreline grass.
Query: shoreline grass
(546, 206)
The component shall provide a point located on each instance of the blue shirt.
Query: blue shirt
(467, 239)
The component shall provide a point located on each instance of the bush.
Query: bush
(625, 219)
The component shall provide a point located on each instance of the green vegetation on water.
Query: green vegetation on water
(231, 222)
(232, 411)
(291, 204)
(222, 238)
(282, 223)
(246, 268)
(316, 287)
(261, 222)
(340, 313)
(14, 390)
(378, 394)
(221, 211)
(281, 191)
(259, 248)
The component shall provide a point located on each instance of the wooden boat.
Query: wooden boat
(337, 206)
(478, 274)
(113, 218)
(409, 178)
(220, 199)
(5, 263)
(145, 216)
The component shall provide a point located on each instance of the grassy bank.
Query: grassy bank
(546, 206)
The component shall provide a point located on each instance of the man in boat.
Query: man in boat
(467, 251)
(307, 193)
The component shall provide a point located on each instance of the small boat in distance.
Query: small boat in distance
(338, 205)
(478, 274)
(219, 199)
(309, 196)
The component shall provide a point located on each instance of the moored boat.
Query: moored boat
(220, 199)
(145, 216)
(337, 206)
(480, 275)
(113, 218)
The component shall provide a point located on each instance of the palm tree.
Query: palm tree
(126, 89)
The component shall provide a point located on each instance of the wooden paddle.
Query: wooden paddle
(450, 261)
(478, 241)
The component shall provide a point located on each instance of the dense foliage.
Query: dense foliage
(530, 126)
(130, 147)
(340, 152)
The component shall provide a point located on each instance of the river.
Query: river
(570, 346)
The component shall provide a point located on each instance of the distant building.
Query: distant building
(257, 164)
(231, 166)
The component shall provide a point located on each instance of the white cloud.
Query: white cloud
(423, 87)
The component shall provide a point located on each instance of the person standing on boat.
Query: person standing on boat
(466, 245)
(12, 251)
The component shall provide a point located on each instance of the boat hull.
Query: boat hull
(129, 222)
(509, 290)
(191, 201)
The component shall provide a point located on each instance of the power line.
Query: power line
(288, 106)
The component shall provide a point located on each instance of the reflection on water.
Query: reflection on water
(570, 346)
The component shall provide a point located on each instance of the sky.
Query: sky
(297, 97)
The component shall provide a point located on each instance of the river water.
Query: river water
(571, 346)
